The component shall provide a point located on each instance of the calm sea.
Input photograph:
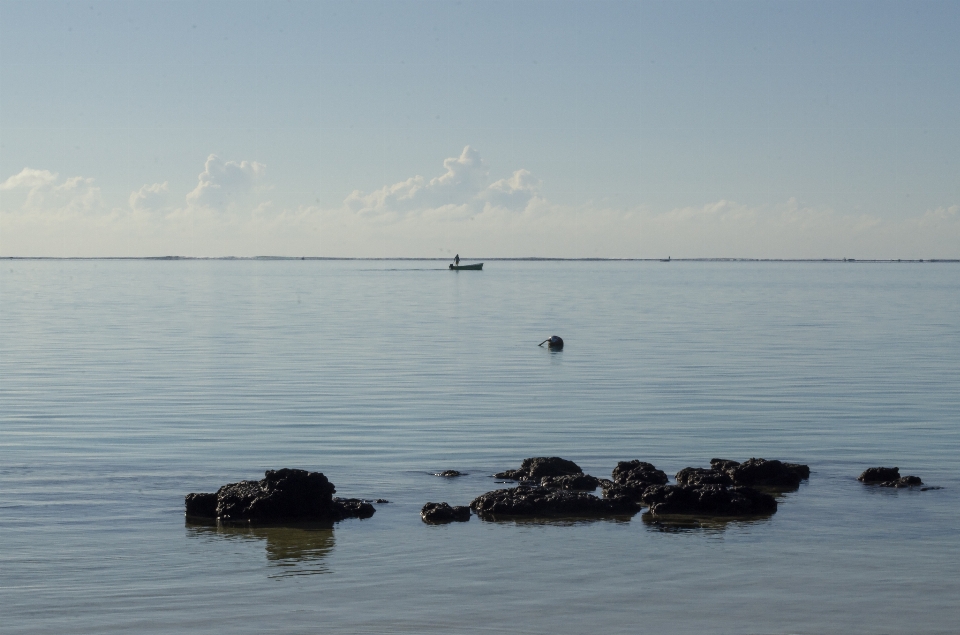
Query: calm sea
(126, 384)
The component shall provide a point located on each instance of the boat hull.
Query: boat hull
(476, 267)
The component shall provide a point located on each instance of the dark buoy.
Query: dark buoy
(554, 343)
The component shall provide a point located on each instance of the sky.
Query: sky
(499, 129)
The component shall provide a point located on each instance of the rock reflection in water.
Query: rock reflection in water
(553, 521)
(299, 549)
(682, 523)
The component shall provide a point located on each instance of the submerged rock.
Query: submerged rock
(888, 477)
(353, 508)
(903, 481)
(537, 467)
(879, 474)
(448, 473)
(702, 476)
(708, 500)
(285, 494)
(540, 502)
(444, 513)
(583, 482)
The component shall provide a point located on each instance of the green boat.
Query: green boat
(476, 267)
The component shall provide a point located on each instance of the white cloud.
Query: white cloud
(461, 210)
(41, 192)
(463, 190)
(150, 197)
(29, 178)
(224, 184)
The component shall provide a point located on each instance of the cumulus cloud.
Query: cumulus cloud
(29, 178)
(34, 191)
(225, 183)
(464, 189)
(461, 210)
(150, 197)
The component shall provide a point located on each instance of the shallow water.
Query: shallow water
(126, 384)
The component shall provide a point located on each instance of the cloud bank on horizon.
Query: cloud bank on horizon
(463, 209)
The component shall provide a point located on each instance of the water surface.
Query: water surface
(126, 384)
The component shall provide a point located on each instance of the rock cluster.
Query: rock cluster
(708, 500)
(437, 513)
(282, 495)
(538, 467)
(750, 473)
(542, 502)
(725, 489)
(448, 473)
(888, 477)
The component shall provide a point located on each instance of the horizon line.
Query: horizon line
(515, 258)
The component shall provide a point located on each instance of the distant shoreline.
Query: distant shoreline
(521, 259)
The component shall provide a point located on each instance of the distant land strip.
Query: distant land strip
(520, 259)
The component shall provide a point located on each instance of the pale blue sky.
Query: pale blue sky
(838, 108)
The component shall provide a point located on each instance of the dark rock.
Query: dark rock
(538, 467)
(448, 473)
(702, 476)
(708, 500)
(799, 468)
(583, 482)
(201, 505)
(539, 502)
(903, 481)
(723, 465)
(444, 513)
(632, 491)
(381, 501)
(281, 495)
(353, 508)
(638, 472)
(764, 473)
(879, 474)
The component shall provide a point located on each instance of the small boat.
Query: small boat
(476, 267)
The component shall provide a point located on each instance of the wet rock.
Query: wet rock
(638, 472)
(583, 482)
(879, 474)
(702, 476)
(764, 473)
(708, 500)
(201, 505)
(903, 481)
(448, 473)
(540, 502)
(723, 465)
(354, 508)
(538, 467)
(444, 513)
(281, 495)
(381, 501)
(631, 491)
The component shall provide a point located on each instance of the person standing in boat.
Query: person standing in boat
(456, 260)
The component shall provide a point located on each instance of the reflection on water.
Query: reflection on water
(682, 523)
(567, 521)
(298, 549)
